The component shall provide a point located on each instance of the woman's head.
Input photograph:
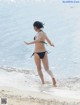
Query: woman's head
(38, 25)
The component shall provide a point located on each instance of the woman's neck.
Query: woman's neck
(39, 30)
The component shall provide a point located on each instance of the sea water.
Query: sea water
(62, 25)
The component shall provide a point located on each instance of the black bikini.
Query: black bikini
(41, 54)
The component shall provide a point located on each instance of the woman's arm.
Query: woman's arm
(33, 42)
(48, 40)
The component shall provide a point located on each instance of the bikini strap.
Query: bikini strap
(32, 54)
(43, 42)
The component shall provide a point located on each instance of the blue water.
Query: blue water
(62, 25)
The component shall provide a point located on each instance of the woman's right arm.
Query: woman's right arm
(33, 42)
(49, 41)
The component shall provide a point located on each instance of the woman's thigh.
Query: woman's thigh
(37, 61)
(45, 62)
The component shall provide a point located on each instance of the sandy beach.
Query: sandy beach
(23, 87)
(18, 97)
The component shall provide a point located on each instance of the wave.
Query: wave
(19, 70)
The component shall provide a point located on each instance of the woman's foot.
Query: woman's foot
(43, 82)
(54, 82)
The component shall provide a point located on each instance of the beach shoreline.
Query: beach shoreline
(23, 87)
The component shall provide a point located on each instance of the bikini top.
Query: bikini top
(40, 41)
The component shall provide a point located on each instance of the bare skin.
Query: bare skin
(40, 47)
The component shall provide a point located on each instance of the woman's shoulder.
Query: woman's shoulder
(42, 33)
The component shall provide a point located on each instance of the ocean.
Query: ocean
(62, 25)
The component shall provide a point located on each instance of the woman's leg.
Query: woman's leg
(38, 65)
(46, 67)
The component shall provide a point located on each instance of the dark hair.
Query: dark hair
(38, 24)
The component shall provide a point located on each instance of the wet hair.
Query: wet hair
(38, 24)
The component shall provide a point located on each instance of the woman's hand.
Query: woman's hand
(52, 45)
(27, 43)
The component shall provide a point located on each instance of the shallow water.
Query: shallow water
(62, 24)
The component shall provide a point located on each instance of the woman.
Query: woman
(40, 53)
